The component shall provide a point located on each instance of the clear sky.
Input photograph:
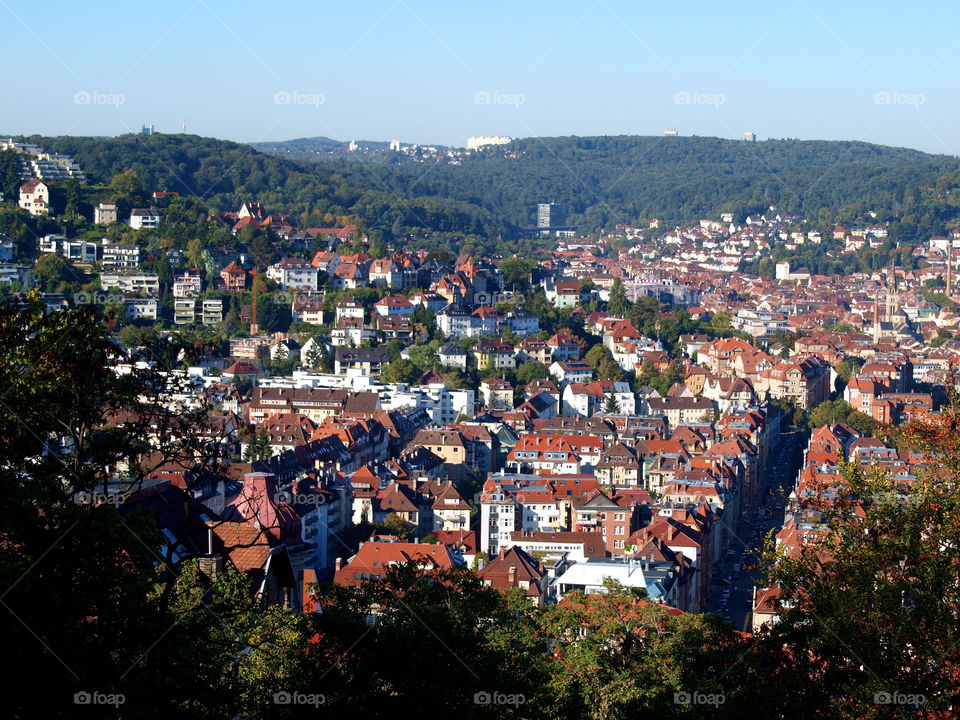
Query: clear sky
(439, 71)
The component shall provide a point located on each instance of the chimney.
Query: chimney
(512, 574)
(210, 541)
(338, 565)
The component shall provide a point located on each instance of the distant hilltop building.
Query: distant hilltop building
(35, 162)
(551, 215)
(395, 145)
(479, 141)
(352, 146)
(750, 137)
(670, 133)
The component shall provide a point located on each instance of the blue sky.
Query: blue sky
(425, 71)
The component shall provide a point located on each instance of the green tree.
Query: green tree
(830, 412)
(722, 320)
(596, 355)
(861, 422)
(608, 369)
(9, 173)
(400, 371)
(530, 370)
(51, 271)
(618, 303)
(516, 272)
(316, 358)
(870, 607)
(396, 525)
(91, 588)
(620, 655)
(259, 447)
(612, 404)
(263, 251)
(127, 184)
(196, 253)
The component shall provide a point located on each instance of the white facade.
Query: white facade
(478, 141)
(141, 308)
(139, 283)
(144, 218)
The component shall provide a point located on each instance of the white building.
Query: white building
(120, 257)
(442, 404)
(187, 285)
(141, 308)
(144, 218)
(192, 310)
(35, 198)
(478, 141)
(80, 251)
(658, 579)
(105, 213)
(136, 283)
(294, 274)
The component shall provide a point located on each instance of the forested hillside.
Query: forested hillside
(225, 173)
(601, 180)
(606, 180)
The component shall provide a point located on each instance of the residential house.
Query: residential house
(144, 218)
(35, 198)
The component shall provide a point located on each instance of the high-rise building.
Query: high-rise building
(551, 215)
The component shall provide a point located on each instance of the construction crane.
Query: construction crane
(253, 305)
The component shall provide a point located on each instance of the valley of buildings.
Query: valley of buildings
(548, 485)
